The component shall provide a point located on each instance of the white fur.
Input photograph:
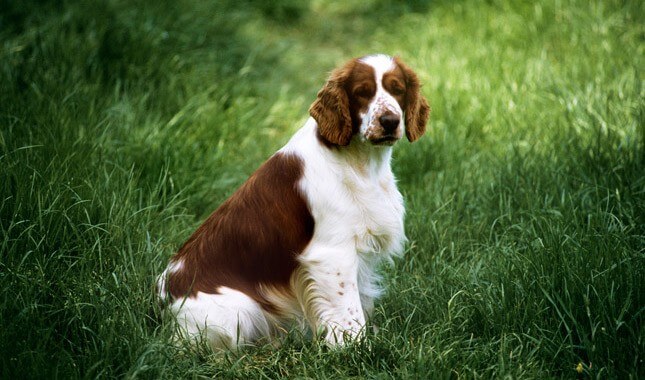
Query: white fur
(161, 280)
(226, 320)
(358, 214)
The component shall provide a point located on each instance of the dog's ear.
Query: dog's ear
(416, 110)
(331, 108)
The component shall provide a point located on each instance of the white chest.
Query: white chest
(364, 213)
(376, 216)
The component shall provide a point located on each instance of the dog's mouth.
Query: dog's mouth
(385, 140)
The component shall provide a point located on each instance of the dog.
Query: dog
(299, 242)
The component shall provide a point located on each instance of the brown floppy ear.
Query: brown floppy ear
(416, 110)
(331, 108)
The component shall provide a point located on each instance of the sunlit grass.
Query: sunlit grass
(124, 124)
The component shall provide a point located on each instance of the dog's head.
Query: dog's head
(375, 98)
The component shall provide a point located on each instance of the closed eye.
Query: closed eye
(394, 86)
(397, 90)
(363, 92)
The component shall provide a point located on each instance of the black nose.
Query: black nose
(389, 122)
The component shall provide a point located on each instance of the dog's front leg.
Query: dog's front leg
(328, 293)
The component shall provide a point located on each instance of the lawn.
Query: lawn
(123, 124)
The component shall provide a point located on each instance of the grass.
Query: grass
(123, 124)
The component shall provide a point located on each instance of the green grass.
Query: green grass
(124, 123)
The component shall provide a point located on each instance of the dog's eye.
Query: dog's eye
(397, 90)
(363, 92)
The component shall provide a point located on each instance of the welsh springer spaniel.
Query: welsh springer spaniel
(301, 239)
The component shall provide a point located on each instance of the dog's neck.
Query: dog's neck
(367, 159)
(360, 156)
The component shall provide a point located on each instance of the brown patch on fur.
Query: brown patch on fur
(253, 238)
(347, 92)
(361, 88)
(416, 107)
(331, 108)
(394, 83)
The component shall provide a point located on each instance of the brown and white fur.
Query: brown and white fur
(301, 239)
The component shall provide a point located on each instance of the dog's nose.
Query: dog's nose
(389, 122)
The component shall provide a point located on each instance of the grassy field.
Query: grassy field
(123, 124)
